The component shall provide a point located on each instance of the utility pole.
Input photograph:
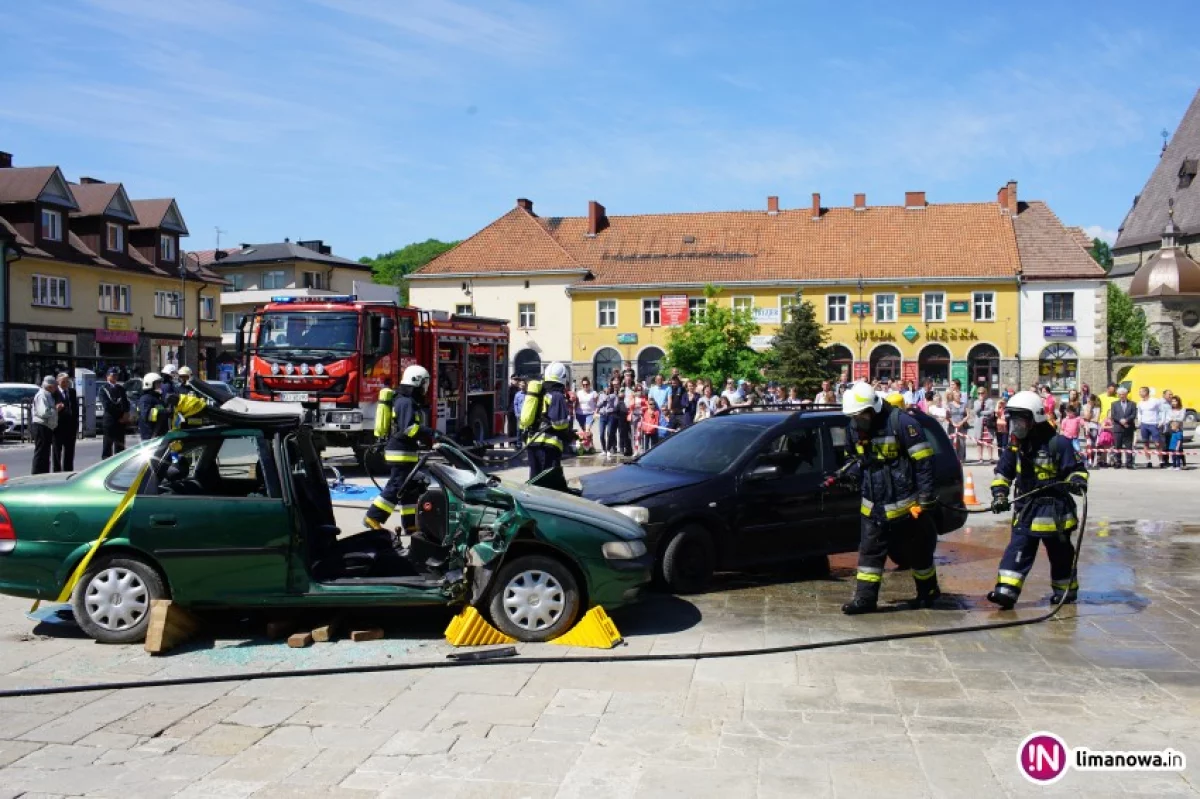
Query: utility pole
(182, 309)
(861, 314)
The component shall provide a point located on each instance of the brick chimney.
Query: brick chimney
(914, 199)
(860, 202)
(1012, 197)
(525, 205)
(1002, 198)
(90, 181)
(773, 205)
(5, 160)
(597, 220)
(816, 206)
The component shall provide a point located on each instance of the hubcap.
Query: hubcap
(116, 599)
(534, 600)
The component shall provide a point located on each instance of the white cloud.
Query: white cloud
(1101, 232)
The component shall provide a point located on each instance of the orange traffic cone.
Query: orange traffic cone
(969, 497)
(3, 474)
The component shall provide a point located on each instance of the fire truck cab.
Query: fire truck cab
(333, 354)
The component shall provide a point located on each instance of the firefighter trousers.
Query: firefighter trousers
(386, 503)
(906, 540)
(543, 457)
(1018, 560)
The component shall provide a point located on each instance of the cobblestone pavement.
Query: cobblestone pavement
(926, 717)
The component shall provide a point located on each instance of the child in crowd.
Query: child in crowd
(1071, 427)
(650, 419)
(637, 407)
(1104, 442)
(1175, 446)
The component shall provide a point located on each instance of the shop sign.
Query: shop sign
(958, 371)
(116, 323)
(1058, 331)
(908, 371)
(766, 316)
(911, 333)
(861, 309)
(874, 334)
(862, 370)
(627, 338)
(910, 305)
(960, 306)
(116, 336)
(761, 343)
(951, 334)
(674, 309)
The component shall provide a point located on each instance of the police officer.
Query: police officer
(895, 471)
(116, 410)
(152, 415)
(548, 435)
(407, 428)
(1037, 458)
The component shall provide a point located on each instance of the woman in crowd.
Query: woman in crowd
(691, 403)
(958, 421)
(1073, 398)
(649, 424)
(605, 398)
(585, 404)
(1092, 414)
(983, 424)
(1001, 426)
(637, 408)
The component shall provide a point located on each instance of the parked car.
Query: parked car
(744, 488)
(237, 513)
(15, 403)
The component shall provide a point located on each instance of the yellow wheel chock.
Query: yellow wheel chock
(595, 630)
(468, 628)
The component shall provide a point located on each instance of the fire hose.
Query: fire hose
(643, 658)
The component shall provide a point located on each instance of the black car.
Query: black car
(745, 488)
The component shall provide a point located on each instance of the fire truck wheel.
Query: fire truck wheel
(480, 422)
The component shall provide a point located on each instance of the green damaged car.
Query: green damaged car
(237, 513)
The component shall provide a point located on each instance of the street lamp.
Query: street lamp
(861, 314)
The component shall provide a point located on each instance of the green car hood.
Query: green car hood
(557, 503)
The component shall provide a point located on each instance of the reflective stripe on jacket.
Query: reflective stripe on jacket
(1042, 461)
(556, 420)
(895, 467)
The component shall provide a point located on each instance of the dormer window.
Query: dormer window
(1187, 172)
(166, 248)
(51, 225)
(115, 240)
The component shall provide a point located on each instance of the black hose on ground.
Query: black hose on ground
(647, 658)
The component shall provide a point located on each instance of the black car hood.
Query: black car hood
(630, 483)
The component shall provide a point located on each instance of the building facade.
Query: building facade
(99, 280)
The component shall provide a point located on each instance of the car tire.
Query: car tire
(112, 600)
(689, 560)
(534, 599)
(480, 422)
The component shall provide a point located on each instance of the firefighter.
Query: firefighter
(401, 417)
(549, 425)
(168, 387)
(1037, 457)
(152, 417)
(895, 470)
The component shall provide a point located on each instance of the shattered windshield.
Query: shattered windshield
(297, 330)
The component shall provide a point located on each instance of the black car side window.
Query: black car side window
(796, 452)
(839, 436)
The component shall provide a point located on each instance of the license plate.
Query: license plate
(293, 396)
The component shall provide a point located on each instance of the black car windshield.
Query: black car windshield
(297, 330)
(708, 447)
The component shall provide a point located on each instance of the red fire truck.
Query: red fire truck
(333, 354)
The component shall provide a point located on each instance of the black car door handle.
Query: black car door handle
(163, 521)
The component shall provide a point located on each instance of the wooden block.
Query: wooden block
(300, 640)
(279, 629)
(373, 634)
(326, 633)
(170, 626)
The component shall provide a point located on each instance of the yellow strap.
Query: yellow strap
(122, 506)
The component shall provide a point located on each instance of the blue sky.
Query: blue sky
(373, 123)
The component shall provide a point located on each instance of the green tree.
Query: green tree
(1102, 254)
(799, 356)
(393, 268)
(716, 345)
(1126, 323)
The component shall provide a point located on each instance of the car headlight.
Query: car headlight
(575, 484)
(635, 512)
(623, 550)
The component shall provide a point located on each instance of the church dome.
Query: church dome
(1169, 272)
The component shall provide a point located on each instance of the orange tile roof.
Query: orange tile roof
(513, 243)
(1050, 250)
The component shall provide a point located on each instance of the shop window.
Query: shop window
(835, 308)
(1058, 306)
(651, 312)
(984, 304)
(1058, 367)
(935, 307)
(606, 313)
(885, 307)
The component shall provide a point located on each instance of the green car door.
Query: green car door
(212, 514)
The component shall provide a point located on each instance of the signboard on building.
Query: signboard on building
(674, 309)
(116, 323)
(911, 333)
(910, 305)
(116, 336)
(761, 343)
(958, 371)
(960, 306)
(627, 338)
(1058, 331)
(908, 371)
(861, 309)
(862, 370)
(766, 316)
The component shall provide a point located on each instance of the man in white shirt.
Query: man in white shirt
(732, 393)
(45, 419)
(1150, 413)
(826, 395)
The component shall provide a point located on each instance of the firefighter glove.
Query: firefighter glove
(1000, 503)
(1077, 487)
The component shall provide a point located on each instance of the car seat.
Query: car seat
(427, 547)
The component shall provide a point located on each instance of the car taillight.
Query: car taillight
(7, 533)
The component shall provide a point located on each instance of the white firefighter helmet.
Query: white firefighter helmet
(149, 379)
(859, 397)
(1028, 401)
(185, 371)
(169, 369)
(556, 373)
(416, 376)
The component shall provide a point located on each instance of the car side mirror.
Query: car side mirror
(763, 471)
(240, 338)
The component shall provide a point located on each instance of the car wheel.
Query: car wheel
(689, 560)
(1190, 416)
(534, 598)
(112, 599)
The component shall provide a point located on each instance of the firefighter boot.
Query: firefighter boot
(866, 593)
(859, 605)
(928, 591)
(1003, 595)
(1066, 592)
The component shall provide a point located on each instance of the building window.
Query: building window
(651, 312)
(166, 248)
(743, 304)
(527, 315)
(229, 321)
(1058, 367)
(885, 307)
(208, 309)
(464, 310)
(51, 292)
(51, 225)
(313, 280)
(935, 307)
(836, 306)
(114, 298)
(984, 303)
(787, 304)
(696, 307)
(606, 313)
(274, 279)
(1058, 306)
(237, 282)
(116, 237)
(166, 303)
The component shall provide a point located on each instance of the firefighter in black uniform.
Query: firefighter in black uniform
(116, 410)
(152, 418)
(1037, 458)
(404, 422)
(549, 427)
(894, 468)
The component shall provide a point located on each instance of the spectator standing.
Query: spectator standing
(659, 391)
(45, 419)
(1092, 416)
(1176, 415)
(1105, 440)
(514, 385)
(1150, 416)
(706, 404)
(1106, 402)
(625, 393)
(937, 410)
(518, 401)
(1124, 415)
(1085, 395)
(826, 396)
(649, 425)
(585, 404)
(984, 424)
(1073, 398)
(637, 408)
(957, 417)
(66, 400)
(691, 403)
(1175, 445)
(604, 402)
(1071, 427)
(1051, 406)
(116, 413)
(1001, 426)
(674, 408)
